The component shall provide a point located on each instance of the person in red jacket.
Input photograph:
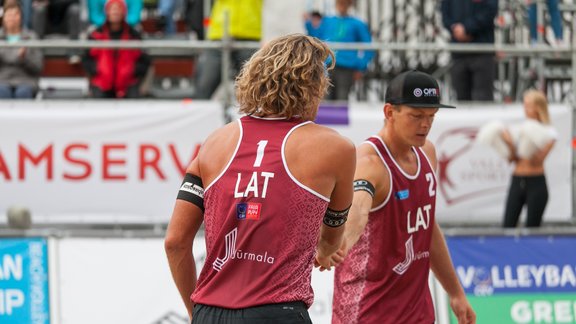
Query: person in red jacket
(118, 72)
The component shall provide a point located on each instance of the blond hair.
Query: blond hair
(539, 99)
(287, 77)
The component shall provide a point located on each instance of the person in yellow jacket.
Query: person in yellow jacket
(244, 24)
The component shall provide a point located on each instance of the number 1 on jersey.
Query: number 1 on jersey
(260, 153)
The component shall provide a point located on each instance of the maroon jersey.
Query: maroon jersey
(384, 278)
(262, 225)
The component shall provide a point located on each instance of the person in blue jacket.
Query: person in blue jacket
(350, 64)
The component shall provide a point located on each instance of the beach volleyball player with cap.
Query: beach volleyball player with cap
(391, 239)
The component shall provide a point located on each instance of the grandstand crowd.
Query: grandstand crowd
(150, 72)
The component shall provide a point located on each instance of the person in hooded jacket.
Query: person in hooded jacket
(115, 72)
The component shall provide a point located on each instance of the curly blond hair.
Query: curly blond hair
(287, 77)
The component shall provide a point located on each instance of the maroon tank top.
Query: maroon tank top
(262, 225)
(384, 278)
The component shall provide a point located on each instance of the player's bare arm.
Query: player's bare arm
(441, 263)
(371, 169)
(184, 224)
(443, 269)
(340, 161)
(187, 217)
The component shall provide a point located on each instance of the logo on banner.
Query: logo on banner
(466, 171)
(484, 280)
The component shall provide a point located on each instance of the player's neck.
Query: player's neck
(400, 151)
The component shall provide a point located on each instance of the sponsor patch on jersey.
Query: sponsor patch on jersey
(248, 210)
(402, 194)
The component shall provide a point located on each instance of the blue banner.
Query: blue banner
(531, 264)
(24, 295)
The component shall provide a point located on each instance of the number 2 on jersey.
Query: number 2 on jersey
(260, 153)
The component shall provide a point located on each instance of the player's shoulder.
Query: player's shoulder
(429, 149)
(328, 138)
(226, 135)
(368, 156)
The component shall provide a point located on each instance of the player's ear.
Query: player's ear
(388, 110)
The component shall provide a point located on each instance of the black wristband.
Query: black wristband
(335, 218)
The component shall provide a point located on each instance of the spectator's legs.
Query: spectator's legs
(166, 10)
(461, 78)
(72, 19)
(555, 19)
(241, 56)
(40, 15)
(343, 80)
(24, 92)
(533, 21)
(208, 73)
(26, 13)
(5, 91)
(483, 68)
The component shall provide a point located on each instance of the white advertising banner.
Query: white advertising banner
(141, 290)
(472, 179)
(99, 161)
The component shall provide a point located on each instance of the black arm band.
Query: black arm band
(335, 218)
(364, 185)
(192, 190)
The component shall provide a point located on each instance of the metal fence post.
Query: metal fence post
(225, 72)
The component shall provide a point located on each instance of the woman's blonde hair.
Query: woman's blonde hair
(287, 77)
(539, 99)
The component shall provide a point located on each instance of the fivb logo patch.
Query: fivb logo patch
(426, 92)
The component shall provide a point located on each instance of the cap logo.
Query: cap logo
(417, 92)
(430, 92)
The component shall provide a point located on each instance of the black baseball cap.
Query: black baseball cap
(415, 89)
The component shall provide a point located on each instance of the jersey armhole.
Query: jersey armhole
(301, 185)
(231, 158)
(389, 177)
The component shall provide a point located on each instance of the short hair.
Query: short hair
(347, 3)
(287, 77)
(12, 4)
(539, 99)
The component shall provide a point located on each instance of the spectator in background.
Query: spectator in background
(245, 24)
(471, 22)
(25, 8)
(165, 20)
(19, 67)
(313, 22)
(555, 21)
(350, 64)
(115, 73)
(57, 16)
(194, 17)
(97, 14)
